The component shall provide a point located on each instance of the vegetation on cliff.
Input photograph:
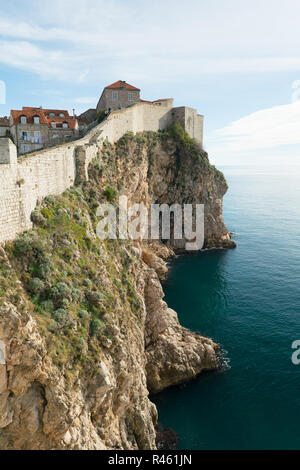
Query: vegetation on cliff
(72, 279)
(86, 331)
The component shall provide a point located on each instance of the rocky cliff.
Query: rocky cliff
(84, 331)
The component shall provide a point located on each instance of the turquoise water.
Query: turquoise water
(248, 300)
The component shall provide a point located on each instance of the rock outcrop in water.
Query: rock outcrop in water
(84, 331)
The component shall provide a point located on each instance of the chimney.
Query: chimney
(123, 83)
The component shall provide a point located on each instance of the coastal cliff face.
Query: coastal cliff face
(85, 334)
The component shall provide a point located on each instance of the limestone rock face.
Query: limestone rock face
(85, 384)
(174, 354)
(158, 171)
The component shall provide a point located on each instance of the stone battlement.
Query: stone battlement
(53, 170)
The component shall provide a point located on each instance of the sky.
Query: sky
(237, 62)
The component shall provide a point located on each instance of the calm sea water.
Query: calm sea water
(248, 300)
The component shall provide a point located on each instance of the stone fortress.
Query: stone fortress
(26, 179)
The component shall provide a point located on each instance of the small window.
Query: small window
(53, 124)
(130, 96)
(61, 115)
(24, 135)
(65, 125)
(26, 148)
(36, 120)
(51, 114)
(23, 120)
(115, 95)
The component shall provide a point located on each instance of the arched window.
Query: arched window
(23, 120)
(36, 120)
(51, 114)
(61, 115)
(65, 125)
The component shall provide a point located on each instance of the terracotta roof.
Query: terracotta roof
(43, 114)
(119, 83)
(145, 101)
(47, 111)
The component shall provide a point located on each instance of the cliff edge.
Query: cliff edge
(84, 331)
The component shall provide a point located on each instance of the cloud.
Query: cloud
(48, 63)
(265, 129)
(89, 40)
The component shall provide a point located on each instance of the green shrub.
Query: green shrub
(43, 269)
(83, 314)
(61, 294)
(61, 316)
(182, 138)
(95, 326)
(87, 282)
(94, 298)
(77, 295)
(47, 305)
(110, 193)
(37, 218)
(36, 285)
(101, 115)
(30, 245)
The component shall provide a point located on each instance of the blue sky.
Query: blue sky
(237, 62)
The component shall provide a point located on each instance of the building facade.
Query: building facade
(87, 118)
(118, 95)
(4, 126)
(36, 128)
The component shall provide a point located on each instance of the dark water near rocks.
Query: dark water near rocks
(248, 300)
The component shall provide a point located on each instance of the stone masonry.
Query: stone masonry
(51, 171)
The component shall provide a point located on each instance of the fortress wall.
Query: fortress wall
(190, 121)
(24, 182)
(51, 171)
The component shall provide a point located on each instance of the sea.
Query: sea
(248, 301)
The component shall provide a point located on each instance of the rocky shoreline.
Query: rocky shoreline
(85, 332)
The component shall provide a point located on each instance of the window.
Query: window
(51, 114)
(65, 125)
(37, 137)
(26, 148)
(36, 120)
(23, 120)
(53, 124)
(130, 96)
(115, 95)
(61, 115)
(24, 135)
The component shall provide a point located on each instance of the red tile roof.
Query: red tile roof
(44, 115)
(119, 83)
